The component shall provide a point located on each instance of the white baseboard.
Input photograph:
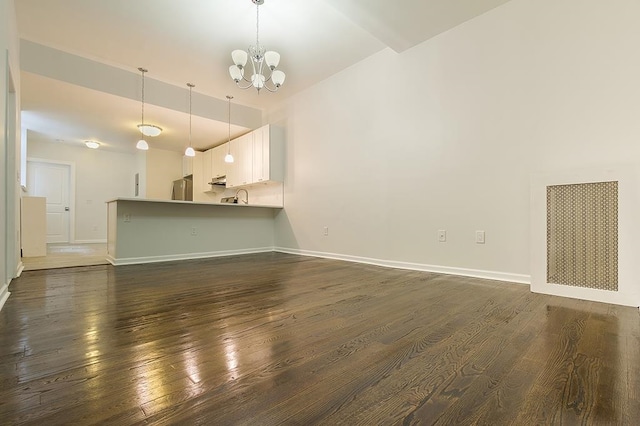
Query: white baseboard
(185, 256)
(476, 273)
(4, 294)
(89, 241)
(20, 269)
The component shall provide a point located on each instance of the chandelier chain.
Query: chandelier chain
(257, 27)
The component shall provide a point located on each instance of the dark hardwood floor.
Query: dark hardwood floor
(279, 339)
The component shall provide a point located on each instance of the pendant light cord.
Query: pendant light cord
(142, 71)
(191, 86)
(229, 115)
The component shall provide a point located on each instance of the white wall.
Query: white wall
(100, 176)
(447, 135)
(163, 167)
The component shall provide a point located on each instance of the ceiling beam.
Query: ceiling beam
(56, 64)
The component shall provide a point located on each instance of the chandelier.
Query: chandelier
(259, 57)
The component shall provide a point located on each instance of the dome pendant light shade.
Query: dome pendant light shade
(229, 158)
(142, 145)
(239, 58)
(190, 152)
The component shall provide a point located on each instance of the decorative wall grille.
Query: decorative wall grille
(582, 235)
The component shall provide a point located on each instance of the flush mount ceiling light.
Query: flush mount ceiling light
(92, 144)
(189, 152)
(149, 129)
(258, 57)
(145, 129)
(229, 158)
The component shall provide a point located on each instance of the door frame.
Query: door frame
(72, 191)
(11, 224)
(628, 179)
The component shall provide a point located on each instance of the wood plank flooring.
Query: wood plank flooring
(273, 339)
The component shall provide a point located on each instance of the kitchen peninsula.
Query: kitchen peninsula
(145, 231)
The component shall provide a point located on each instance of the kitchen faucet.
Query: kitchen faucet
(236, 197)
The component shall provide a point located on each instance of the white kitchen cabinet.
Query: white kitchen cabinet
(187, 166)
(258, 158)
(206, 170)
(240, 172)
(218, 166)
(268, 155)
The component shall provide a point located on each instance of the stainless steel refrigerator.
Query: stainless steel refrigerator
(182, 190)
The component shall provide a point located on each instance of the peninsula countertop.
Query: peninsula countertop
(201, 203)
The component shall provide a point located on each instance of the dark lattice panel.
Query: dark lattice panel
(582, 235)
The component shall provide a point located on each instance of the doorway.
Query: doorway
(52, 180)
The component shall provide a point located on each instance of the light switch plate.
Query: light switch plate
(479, 237)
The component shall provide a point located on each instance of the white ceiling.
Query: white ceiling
(191, 40)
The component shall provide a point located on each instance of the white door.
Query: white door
(52, 181)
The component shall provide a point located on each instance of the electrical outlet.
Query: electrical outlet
(442, 235)
(127, 217)
(479, 237)
(326, 231)
(194, 231)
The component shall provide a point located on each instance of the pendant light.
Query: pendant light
(146, 129)
(142, 144)
(189, 152)
(229, 158)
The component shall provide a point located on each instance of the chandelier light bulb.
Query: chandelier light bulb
(239, 58)
(272, 59)
(258, 81)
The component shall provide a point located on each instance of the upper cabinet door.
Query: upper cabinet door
(187, 166)
(218, 166)
(240, 172)
(246, 159)
(206, 170)
(261, 154)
